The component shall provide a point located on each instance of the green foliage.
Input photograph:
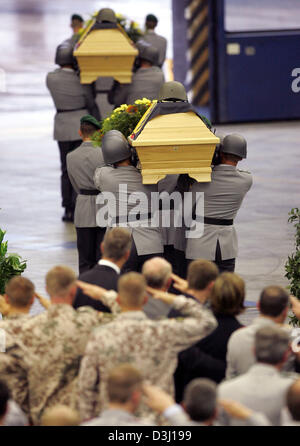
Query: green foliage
(292, 265)
(10, 264)
(131, 28)
(124, 118)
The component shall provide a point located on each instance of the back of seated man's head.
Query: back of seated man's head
(273, 301)
(132, 290)
(157, 272)
(271, 345)
(200, 399)
(116, 244)
(122, 382)
(4, 398)
(60, 280)
(60, 415)
(293, 400)
(201, 273)
(19, 292)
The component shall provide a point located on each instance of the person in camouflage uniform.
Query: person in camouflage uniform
(18, 298)
(125, 391)
(43, 352)
(151, 346)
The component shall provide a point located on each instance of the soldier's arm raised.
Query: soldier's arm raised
(197, 322)
(108, 298)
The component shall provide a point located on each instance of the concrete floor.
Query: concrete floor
(29, 160)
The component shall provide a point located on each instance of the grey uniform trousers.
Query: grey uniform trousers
(67, 192)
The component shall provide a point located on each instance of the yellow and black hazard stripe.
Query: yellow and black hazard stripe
(198, 36)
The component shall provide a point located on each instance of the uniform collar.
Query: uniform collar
(224, 167)
(109, 264)
(133, 315)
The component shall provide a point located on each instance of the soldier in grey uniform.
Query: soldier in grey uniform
(223, 197)
(120, 172)
(146, 81)
(106, 18)
(72, 101)
(154, 39)
(81, 164)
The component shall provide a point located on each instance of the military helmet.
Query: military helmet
(106, 15)
(234, 144)
(172, 91)
(64, 54)
(115, 147)
(147, 52)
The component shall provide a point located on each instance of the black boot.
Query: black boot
(68, 215)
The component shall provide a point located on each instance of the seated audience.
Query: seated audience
(60, 415)
(124, 390)
(158, 275)
(151, 345)
(293, 405)
(273, 306)
(263, 388)
(18, 299)
(45, 355)
(115, 250)
(200, 406)
(207, 358)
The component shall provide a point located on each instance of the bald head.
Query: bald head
(60, 416)
(132, 291)
(293, 400)
(157, 272)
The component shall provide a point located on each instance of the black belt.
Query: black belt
(213, 221)
(89, 192)
(127, 218)
(217, 221)
(74, 109)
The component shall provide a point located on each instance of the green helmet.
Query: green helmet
(172, 91)
(106, 15)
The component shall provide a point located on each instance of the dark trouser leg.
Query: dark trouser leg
(100, 233)
(67, 192)
(177, 260)
(88, 251)
(223, 265)
(135, 262)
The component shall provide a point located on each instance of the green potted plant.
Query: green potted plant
(10, 264)
(292, 265)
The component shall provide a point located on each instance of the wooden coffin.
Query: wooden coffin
(107, 53)
(173, 144)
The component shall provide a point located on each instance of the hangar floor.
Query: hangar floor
(29, 159)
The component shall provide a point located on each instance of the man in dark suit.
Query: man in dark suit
(115, 249)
